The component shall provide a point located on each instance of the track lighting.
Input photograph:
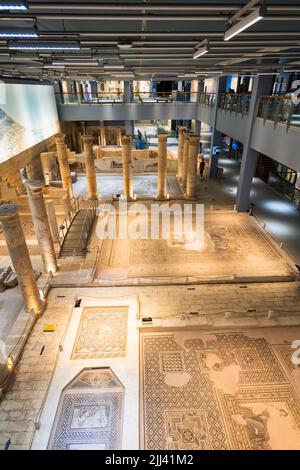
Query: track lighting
(7, 5)
(18, 33)
(50, 46)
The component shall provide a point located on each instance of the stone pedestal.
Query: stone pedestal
(181, 138)
(127, 167)
(191, 185)
(185, 161)
(52, 220)
(62, 155)
(89, 156)
(20, 258)
(162, 167)
(41, 225)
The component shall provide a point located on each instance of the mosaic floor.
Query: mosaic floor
(233, 246)
(90, 413)
(102, 333)
(143, 185)
(236, 390)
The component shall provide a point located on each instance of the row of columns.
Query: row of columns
(188, 147)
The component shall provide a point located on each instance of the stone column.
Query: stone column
(162, 168)
(181, 137)
(20, 258)
(48, 164)
(64, 163)
(41, 225)
(127, 167)
(90, 166)
(52, 219)
(119, 137)
(185, 161)
(192, 166)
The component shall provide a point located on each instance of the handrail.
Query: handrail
(88, 222)
(68, 221)
(279, 109)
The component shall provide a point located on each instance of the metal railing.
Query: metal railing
(64, 228)
(235, 103)
(87, 226)
(118, 98)
(89, 98)
(279, 109)
(207, 99)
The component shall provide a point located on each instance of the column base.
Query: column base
(39, 311)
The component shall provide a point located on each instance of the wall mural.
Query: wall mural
(24, 121)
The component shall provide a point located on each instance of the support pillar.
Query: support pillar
(48, 166)
(127, 167)
(129, 128)
(41, 225)
(90, 166)
(20, 258)
(191, 185)
(262, 85)
(216, 137)
(162, 167)
(64, 163)
(181, 137)
(52, 220)
(185, 161)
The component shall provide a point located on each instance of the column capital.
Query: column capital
(126, 140)
(87, 139)
(8, 211)
(182, 129)
(163, 137)
(194, 139)
(60, 138)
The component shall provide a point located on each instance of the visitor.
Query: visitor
(139, 135)
(202, 166)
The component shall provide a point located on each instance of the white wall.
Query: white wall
(28, 115)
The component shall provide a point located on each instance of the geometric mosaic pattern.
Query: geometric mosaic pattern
(102, 332)
(237, 392)
(90, 413)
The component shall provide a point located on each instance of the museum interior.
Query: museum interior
(150, 225)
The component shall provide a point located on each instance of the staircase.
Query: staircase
(77, 238)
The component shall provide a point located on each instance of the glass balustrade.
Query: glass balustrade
(281, 109)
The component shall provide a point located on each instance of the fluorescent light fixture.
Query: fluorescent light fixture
(114, 66)
(29, 46)
(79, 63)
(7, 5)
(203, 48)
(19, 33)
(245, 23)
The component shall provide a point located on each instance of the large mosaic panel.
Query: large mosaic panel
(233, 245)
(232, 390)
(102, 332)
(90, 413)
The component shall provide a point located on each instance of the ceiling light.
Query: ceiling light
(79, 63)
(203, 48)
(107, 66)
(6, 5)
(18, 33)
(28, 46)
(245, 23)
(124, 45)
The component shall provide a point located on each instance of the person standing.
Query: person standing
(202, 167)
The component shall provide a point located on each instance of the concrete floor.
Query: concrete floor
(281, 218)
